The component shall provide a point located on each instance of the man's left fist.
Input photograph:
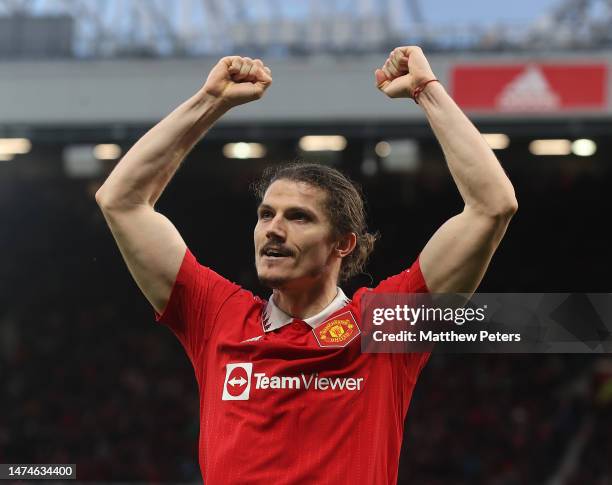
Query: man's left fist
(405, 69)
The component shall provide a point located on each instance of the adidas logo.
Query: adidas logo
(529, 91)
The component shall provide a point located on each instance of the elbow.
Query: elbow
(501, 211)
(107, 202)
(505, 205)
(110, 201)
(101, 199)
(502, 217)
(507, 209)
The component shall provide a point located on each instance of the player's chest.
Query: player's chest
(294, 360)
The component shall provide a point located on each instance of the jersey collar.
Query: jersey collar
(273, 317)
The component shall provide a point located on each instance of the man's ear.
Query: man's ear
(346, 244)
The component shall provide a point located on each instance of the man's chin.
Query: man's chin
(272, 281)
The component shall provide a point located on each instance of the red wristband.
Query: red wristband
(419, 89)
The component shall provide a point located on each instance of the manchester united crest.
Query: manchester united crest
(337, 331)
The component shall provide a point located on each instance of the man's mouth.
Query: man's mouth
(276, 252)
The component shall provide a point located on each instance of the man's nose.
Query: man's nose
(276, 229)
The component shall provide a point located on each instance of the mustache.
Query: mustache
(274, 246)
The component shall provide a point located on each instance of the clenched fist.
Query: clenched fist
(237, 80)
(405, 69)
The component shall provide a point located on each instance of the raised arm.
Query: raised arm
(458, 254)
(149, 243)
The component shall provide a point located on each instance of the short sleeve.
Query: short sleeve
(410, 280)
(197, 295)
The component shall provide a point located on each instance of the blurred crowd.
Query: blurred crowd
(87, 377)
(508, 420)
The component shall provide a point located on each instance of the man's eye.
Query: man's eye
(300, 216)
(265, 214)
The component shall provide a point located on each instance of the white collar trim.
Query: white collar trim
(273, 317)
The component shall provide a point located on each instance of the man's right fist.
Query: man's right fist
(237, 80)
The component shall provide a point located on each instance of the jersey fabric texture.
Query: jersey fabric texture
(289, 401)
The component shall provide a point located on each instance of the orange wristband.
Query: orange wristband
(419, 89)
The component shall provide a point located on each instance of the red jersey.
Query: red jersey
(288, 401)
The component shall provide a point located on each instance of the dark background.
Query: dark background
(87, 377)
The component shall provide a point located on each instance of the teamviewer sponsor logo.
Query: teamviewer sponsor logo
(237, 385)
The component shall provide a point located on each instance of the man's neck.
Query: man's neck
(302, 303)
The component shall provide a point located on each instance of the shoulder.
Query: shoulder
(410, 280)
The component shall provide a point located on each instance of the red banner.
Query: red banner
(530, 87)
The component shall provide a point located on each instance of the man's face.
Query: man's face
(293, 237)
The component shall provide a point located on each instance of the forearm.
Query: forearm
(481, 180)
(145, 170)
